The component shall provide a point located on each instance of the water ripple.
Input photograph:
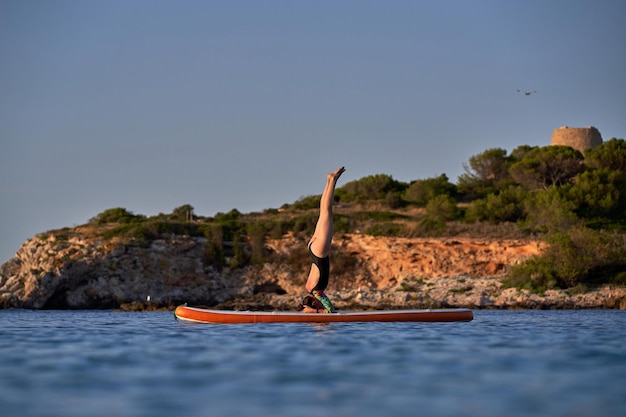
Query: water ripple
(514, 363)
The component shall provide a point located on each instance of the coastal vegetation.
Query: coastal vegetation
(575, 203)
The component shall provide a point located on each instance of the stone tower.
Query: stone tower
(579, 138)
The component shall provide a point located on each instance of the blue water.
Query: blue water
(504, 363)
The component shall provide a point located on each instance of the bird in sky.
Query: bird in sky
(526, 93)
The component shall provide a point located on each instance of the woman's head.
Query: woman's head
(311, 302)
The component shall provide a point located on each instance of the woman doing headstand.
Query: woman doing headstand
(319, 248)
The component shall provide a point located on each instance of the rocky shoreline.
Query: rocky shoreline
(508, 299)
(81, 272)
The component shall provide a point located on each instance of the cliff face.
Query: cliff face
(79, 272)
(85, 273)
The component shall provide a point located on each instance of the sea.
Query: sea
(503, 363)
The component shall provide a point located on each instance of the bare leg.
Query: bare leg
(323, 235)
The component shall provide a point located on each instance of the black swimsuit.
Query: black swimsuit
(323, 264)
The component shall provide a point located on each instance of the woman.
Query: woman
(319, 249)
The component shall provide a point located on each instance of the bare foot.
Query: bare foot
(334, 176)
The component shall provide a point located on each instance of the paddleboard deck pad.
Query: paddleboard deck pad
(201, 315)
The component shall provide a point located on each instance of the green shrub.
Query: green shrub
(304, 224)
(275, 229)
(429, 227)
(231, 224)
(256, 233)
(536, 275)
(420, 192)
(239, 258)
(393, 200)
(151, 230)
(548, 212)
(599, 193)
(307, 203)
(379, 216)
(343, 223)
(373, 187)
(609, 155)
(507, 206)
(547, 166)
(620, 277)
(182, 214)
(115, 215)
(443, 208)
(486, 173)
(214, 247)
(577, 256)
(386, 229)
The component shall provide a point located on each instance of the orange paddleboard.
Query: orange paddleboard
(201, 315)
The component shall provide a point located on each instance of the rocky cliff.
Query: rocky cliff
(76, 271)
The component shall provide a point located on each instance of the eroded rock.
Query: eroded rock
(80, 272)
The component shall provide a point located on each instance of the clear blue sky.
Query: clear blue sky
(149, 105)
